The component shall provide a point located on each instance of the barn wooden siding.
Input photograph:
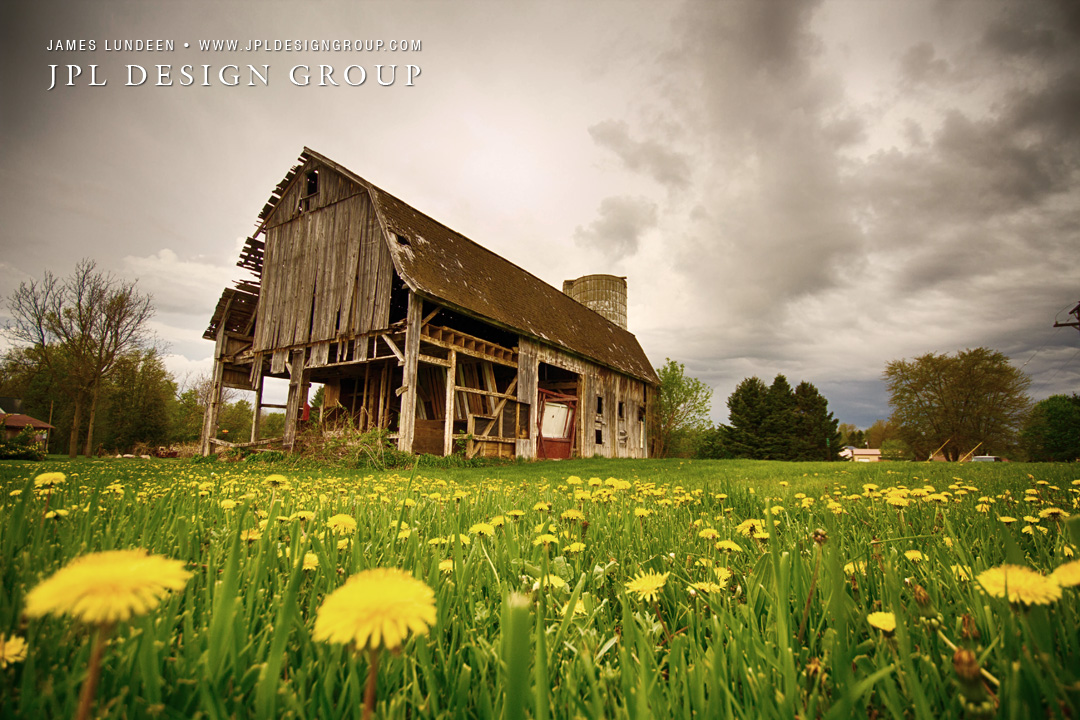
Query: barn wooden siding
(350, 295)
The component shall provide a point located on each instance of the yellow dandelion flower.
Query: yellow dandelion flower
(311, 561)
(1022, 584)
(883, 621)
(709, 534)
(914, 556)
(341, 524)
(50, 479)
(647, 585)
(250, 535)
(228, 504)
(1053, 512)
(572, 514)
(378, 607)
(728, 546)
(514, 514)
(542, 506)
(641, 512)
(447, 565)
(107, 586)
(550, 581)
(897, 501)
(575, 547)
(56, 514)
(708, 587)
(12, 650)
(302, 515)
(579, 608)
(486, 529)
(545, 540)
(859, 566)
(1067, 575)
(1005, 519)
(276, 481)
(748, 527)
(961, 573)
(722, 575)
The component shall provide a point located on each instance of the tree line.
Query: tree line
(765, 422)
(85, 361)
(950, 406)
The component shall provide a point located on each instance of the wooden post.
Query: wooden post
(298, 388)
(407, 416)
(256, 416)
(213, 406)
(448, 431)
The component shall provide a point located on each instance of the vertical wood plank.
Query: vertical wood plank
(213, 408)
(448, 431)
(256, 416)
(407, 417)
(297, 395)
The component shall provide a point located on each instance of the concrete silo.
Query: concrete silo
(605, 294)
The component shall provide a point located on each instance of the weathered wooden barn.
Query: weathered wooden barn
(414, 328)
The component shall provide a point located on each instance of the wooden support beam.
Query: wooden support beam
(407, 417)
(448, 432)
(256, 443)
(430, 316)
(502, 404)
(256, 416)
(434, 360)
(298, 387)
(394, 348)
(486, 393)
(213, 408)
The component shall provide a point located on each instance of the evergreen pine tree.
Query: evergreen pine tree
(815, 432)
(746, 413)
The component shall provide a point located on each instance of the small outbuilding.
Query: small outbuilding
(855, 454)
(15, 423)
(413, 328)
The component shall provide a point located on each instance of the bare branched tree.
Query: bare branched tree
(76, 329)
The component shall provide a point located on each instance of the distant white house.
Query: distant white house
(855, 454)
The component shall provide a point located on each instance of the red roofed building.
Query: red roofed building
(14, 423)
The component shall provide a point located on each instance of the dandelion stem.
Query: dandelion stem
(952, 646)
(667, 633)
(810, 595)
(372, 682)
(93, 673)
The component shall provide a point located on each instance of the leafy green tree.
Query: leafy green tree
(272, 425)
(138, 403)
(1052, 431)
(711, 444)
(747, 410)
(76, 330)
(896, 449)
(234, 421)
(682, 406)
(973, 397)
(881, 432)
(851, 435)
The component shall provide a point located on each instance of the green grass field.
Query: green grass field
(776, 628)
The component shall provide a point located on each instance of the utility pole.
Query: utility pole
(1075, 312)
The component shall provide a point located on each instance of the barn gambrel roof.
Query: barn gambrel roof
(448, 268)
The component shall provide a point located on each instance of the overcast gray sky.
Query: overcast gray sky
(807, 188)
